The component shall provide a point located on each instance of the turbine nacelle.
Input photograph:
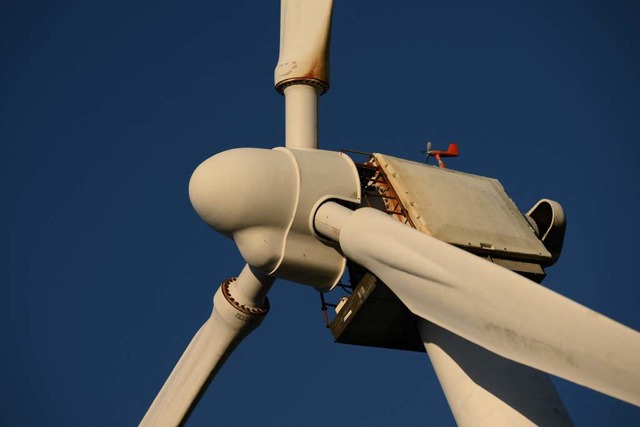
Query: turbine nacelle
(266, 200)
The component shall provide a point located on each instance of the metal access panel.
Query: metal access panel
(373, 316)
(469, 211)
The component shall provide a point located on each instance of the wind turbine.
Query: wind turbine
(291, 212)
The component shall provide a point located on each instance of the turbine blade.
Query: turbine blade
(228, 325)
(483, 388)
(490, 305)
(305, 26)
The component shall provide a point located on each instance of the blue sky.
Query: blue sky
(107, 108)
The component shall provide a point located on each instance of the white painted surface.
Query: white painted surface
(486, 390)
(492, 306)
(301, 116)
(266, 199)
(208, 350)
(305, 26)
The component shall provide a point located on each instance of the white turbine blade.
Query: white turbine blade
(489, 305)
(485, 389)
(305, 26)
(302, 72)
(209, 349)
(201, 360)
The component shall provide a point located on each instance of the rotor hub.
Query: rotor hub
(266, 199)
